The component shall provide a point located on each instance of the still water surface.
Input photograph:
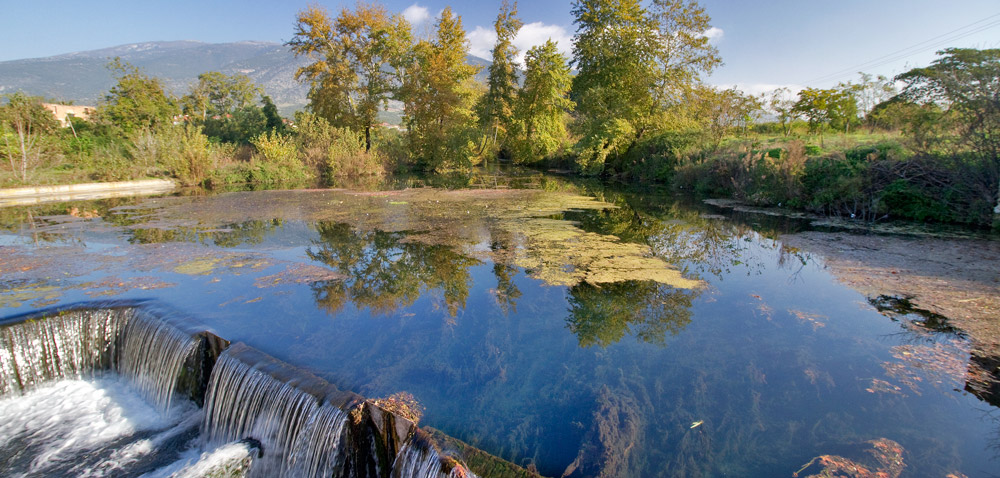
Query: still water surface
(564, 326)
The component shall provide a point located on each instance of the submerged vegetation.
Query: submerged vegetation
(634, 108)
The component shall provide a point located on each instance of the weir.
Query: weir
(260, 417)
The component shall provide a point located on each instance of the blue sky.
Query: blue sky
(763, 44)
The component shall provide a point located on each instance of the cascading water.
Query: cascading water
(91, 392)
(146, 350)
(69, 345)
(300, 433)
(419, 459)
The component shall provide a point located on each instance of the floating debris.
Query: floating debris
(888, 463)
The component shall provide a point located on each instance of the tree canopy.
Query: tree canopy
(218, 94)
(351, 76)
(496, 108)
(542, 104)
(136, 101)
(438, 98)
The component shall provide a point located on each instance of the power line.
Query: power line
(923, 46)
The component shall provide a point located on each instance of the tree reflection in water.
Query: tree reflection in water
(603, 315)
(385, 273)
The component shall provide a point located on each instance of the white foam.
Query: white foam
(67, 418)
(227, 457)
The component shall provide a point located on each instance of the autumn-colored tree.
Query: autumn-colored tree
(542, 104)
(438, 95)
(351, 76)
(496, 107)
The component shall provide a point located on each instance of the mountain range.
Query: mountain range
(83, 77)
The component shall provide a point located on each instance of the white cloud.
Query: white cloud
(536, 33)
(482, 40)
(714, 35)
(416, 15)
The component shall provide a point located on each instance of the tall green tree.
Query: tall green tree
(24, 124)
(271, 115)
(615, 53)
(967, 82)
(496, 107)
(871, 91)
(438, 96)
(351, 76)
(542, 104)
(685, 49)
(633, 65)
(218, 94)
(844, 107)
(136, 101)
(822, 107)
(781, 103)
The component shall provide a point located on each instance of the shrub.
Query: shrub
(276, 161)
(657, 157)
(335, 152)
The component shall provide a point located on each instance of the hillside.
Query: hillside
(83, 78)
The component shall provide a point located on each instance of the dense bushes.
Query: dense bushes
(868, 182)
(335, 152)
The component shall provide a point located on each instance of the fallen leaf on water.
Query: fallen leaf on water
(697, 423)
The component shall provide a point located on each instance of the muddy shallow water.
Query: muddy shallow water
(574, 329)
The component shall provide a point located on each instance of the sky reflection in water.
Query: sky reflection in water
(544, 326)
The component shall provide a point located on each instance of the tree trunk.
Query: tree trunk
(996, 210)
(8, 151)
(368, 138)
(24, 154)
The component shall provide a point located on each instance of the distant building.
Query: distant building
(63, 112)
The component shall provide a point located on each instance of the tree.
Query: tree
(870, 92)
(271, 115)
(542, 104)
(23, 124)
(634, 64)
(350, 78)
(782, 104)
(729, 110)
(240, 126)
(685, 48)
(137, 101)
(826, 106)
(217, 94)
(615, 51)
(497, 105)
(967, 82)
(843, 107)
(438, 96)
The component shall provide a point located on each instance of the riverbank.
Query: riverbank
(956, 278)
(27, 196)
